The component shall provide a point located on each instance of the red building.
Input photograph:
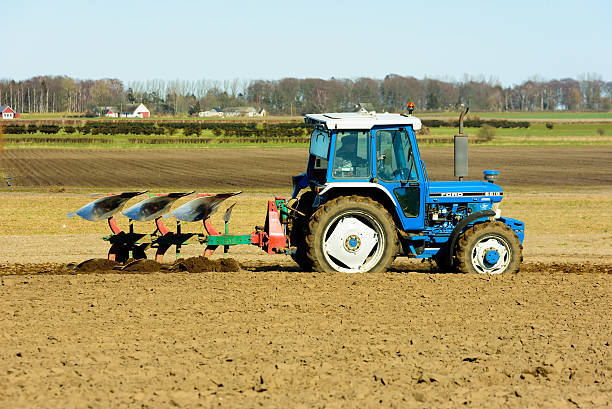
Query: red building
(7, 112)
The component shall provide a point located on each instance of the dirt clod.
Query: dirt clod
(96, 265)
(142, 266)
(203, 264)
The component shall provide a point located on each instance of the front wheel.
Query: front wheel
(351, 234)
(488, 248)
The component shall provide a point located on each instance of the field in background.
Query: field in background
(538, 134)
(559, 116)
(259, 168)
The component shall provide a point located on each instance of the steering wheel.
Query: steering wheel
(360, 162)
(401, 172)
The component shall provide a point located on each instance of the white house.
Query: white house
(8, 113)
(240, 111)
(128, 111)
(210, 113)
(110, 112)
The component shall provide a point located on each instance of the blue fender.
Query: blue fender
(517, 226)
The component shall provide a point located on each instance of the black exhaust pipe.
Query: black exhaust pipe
(461, 149)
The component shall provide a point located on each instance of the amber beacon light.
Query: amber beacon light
(410, 107)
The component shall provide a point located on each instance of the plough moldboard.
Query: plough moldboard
(130, 244)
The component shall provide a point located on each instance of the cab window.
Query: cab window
(352, 155)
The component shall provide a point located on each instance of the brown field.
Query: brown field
(272, 336)
(254, 168)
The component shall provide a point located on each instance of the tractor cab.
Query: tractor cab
(369, 151)
(358, 147)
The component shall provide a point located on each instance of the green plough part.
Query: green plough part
(228, 239)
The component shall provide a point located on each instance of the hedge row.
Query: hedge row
(168, 128)
(476, 123)
(220, 129)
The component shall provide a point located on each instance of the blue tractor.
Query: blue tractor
(366, 199)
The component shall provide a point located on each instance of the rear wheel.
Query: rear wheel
(442, 263)
(299, 229)
(351, 234)
(488, 248)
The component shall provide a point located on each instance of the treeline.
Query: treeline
(294, 96)
(393, 93)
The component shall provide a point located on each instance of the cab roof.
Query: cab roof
(358, 120)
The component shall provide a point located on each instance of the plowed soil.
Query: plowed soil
(253, 331)
(279, 338)
(257, 168)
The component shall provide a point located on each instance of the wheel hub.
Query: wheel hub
(490, 255)
(352, 243)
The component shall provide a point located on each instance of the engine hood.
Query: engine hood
(464, 191)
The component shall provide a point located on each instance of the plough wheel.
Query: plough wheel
(351, 234)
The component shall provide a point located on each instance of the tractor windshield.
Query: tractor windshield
(352, 155)
(395, 160)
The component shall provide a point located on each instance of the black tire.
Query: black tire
(474, 245)
(442, 263)
(299, 231)
(373, 214)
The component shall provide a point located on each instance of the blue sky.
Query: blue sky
(186, 39)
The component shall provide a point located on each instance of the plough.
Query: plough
(125, 245)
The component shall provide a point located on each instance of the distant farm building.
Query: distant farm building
(210, 113)
(240, 111)
(127, 111)
(7, 112)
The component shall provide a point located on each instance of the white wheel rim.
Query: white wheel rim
(353, 242)
(491, 255)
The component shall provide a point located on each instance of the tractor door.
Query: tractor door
(398, 170)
